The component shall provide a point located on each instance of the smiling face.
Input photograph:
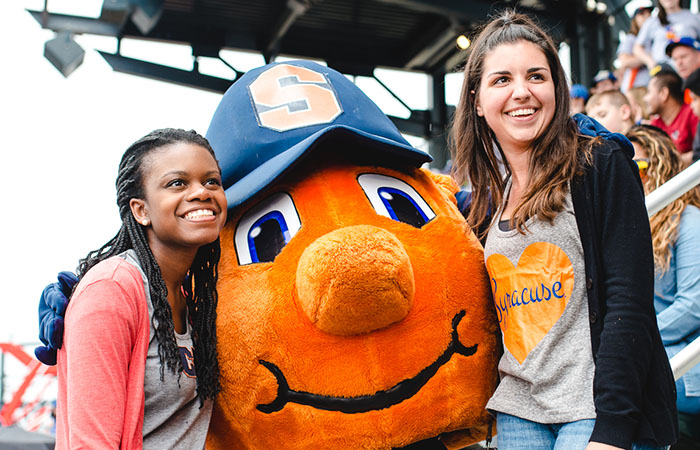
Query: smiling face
(353, 301)
(184, 205)
(516, 94)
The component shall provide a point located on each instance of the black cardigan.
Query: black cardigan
(633, 388)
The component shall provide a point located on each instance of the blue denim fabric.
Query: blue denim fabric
(515, 433)
(677, 298)
(688, 405)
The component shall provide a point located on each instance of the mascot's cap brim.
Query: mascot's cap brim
(274, 168)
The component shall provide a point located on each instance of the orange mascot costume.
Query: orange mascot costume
(354, 308)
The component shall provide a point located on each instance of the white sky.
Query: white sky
(63, 138)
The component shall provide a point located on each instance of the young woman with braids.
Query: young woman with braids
(675, 232)
(568, 252)
(138, 367)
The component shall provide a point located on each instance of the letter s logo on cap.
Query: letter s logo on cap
(287, 97)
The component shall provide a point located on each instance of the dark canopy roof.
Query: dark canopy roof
(353, 36)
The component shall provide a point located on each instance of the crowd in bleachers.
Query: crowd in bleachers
(653, 97)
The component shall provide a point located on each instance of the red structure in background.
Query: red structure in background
(35, 368)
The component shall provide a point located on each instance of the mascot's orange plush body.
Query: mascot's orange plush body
(354, 307)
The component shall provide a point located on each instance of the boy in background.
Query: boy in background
(612, 110)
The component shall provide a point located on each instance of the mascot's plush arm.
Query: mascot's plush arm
(52, 307)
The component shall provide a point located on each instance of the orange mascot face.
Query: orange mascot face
(354, 308)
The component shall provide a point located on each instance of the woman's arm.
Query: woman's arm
(626, 285)
(625, 53)
(644, 56)
(100, 332)
(629, 61)
(643, 41)
(682, 317)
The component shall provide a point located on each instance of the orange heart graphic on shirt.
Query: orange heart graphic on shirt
(531, 297)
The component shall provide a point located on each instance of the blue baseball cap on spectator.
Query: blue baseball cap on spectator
(579, 91)
(684, 40)
(603, 75)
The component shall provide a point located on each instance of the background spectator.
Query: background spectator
(612, 110)
(603, 81)
(639, 108)
(692, 85)
(635, 73)
(685, 54)
(671, 21)
(578, 95)
(676, 243)
(665, 99)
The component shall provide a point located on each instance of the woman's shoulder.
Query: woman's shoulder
(689, 228)
(112, 268)
(691, 216)
(682, 14)
(591, 134)
(606, 146)
(113, 275)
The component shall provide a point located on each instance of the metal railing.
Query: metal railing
(673, 188)
(687, 358)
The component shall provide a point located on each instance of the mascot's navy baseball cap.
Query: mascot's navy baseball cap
(275, 115)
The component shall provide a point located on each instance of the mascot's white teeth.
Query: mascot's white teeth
(521, 112)
(199, 214)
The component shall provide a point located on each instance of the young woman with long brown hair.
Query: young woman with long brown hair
(568, 251)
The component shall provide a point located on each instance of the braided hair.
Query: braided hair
(200, 283)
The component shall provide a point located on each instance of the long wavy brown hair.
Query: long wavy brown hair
(664, 164)
(557, 155)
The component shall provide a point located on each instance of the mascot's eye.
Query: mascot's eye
(393, 198)
(262, 232)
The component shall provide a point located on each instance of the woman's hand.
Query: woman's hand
(600, 446)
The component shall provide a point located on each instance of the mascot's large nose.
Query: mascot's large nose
(355, 280)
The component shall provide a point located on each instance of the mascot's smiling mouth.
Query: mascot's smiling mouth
(364, 403)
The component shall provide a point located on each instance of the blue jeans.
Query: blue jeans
(688, 405)
(515, 433)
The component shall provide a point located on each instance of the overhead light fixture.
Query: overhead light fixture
(601, 7)
(591, 5)
(463, 42)
(64, 53)
(146, 14)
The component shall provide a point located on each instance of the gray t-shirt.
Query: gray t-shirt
(172, 416)
(537, 280)
(654, 37)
